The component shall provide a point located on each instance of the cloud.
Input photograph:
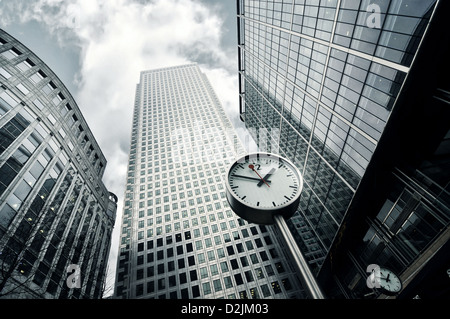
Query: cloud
(116, 39)
(119, 38)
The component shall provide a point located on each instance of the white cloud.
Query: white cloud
(119, 38)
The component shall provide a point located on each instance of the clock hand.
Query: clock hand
(250, 178)
(265, 177)
(252, 167)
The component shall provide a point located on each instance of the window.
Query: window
(214, 270)
(183, 278)
(161, 269)
(217, 285)
(248, 276)
(193, 275)
(139, 289)
(279, 267)
(244, 261)
(172, 281)
(206, 288)
(195, 291)
(238, 279)
(203, 272)
(276, 287)
(150, 286)
(161, 283)
(266, 291)
(229, 282)
(269, 270)
(224, 266)
(264, 256)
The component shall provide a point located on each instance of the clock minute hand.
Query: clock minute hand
(247, 177)
(266, 177)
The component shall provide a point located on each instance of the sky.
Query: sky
(99, 47)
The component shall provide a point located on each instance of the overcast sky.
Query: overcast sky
(98, 48)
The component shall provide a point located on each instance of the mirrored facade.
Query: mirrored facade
(55, 212)
(324, 79)
(179, 238)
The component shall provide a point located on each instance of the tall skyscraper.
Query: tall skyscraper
(355, 94)
(179, 238)
(56, 216)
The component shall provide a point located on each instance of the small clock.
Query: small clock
(389, 283)
(261, 185)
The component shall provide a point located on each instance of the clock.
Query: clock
(262, 185)
(388, 282)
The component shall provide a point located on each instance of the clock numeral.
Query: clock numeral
(274, 204)
(287, 197)
(234, 187)
(244, 197)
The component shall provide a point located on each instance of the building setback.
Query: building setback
(179, 238)
(356, 94)
(56, 216)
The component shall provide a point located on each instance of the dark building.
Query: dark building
(356, 94)
(56, 216)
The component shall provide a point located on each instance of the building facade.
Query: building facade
(179, 238)
(340, 86)
(56, 216)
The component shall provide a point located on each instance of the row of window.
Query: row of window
(262, 291)
(211, 270)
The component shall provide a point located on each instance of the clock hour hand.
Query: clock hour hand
(252, 167)
(247, 177)
(261, 182)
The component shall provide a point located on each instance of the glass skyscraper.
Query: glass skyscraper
(179, 238)
(56, 216)
(341, 87)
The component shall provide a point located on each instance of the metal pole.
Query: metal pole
(306, 275)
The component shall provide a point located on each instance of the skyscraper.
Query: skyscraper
(56, 216)
(342, 87)
(179, 238)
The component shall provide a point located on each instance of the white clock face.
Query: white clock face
(389, 281)
(264, 182)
